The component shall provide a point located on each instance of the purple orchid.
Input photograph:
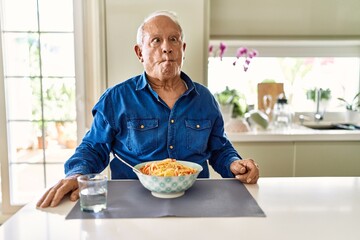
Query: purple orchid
(211, 47)
(222, 50)
(240, 52)
(253, 53)
(244, 52)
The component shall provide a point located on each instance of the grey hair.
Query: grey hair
(166, 13)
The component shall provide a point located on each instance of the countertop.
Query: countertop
(294, 134)
(298, 132)
(295, 208)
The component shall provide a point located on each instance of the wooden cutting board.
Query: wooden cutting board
(271, 89)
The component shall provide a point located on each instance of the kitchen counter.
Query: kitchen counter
(301, 151)
(297, 133)
(295, 208)
(300, 133)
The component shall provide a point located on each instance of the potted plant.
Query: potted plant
(325, 94)
(233, 108)
(352, 113)
(70, 135)
(232, 100)
(353, 105)
(41, 134)
(59, 99)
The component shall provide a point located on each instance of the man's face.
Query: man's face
(162, 50)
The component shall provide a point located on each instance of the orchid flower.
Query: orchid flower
(222, 50)
(240, 52)
(211, 47)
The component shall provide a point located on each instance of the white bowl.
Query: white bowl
(169, 187)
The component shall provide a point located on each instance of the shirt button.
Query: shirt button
(172, 120)
(142, 126)
(171, 147)
(198, 126)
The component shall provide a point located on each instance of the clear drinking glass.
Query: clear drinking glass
(93, 192)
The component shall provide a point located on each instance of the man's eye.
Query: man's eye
(156, 40)
(173, 39)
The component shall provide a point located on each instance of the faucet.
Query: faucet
(318, 115)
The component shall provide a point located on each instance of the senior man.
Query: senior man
(159, 114)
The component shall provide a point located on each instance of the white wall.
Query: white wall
(285, 18)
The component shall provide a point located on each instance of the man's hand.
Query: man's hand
(54, 195)
(246, 170)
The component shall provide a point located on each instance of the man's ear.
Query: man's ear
(138, 53)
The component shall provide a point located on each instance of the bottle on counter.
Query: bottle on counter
(282, 115)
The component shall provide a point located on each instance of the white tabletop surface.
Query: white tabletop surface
(296, 208)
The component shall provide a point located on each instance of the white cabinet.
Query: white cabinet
(327, 159)
(303, 158)
(274, 158)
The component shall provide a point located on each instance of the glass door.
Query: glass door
(38, 92)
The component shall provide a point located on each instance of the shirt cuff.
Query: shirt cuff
(228, 163)
(77, 170)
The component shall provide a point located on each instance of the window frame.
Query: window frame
(291, 48)
(294, 47)
(85, 91)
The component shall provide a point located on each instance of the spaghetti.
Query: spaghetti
(167, 168)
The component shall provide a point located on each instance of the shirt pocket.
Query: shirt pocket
(142, 135)
(197, 135)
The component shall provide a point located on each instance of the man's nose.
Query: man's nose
(167, 48)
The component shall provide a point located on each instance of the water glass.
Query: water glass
(93, 192)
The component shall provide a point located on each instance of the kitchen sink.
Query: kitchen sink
(331, 126)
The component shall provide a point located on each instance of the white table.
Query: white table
(296, 208)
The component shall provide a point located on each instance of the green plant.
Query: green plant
(232, 96)
(325, 94)
(40, 127)
(354, 104)
(59, 99)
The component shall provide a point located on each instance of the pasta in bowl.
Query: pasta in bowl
(168, 178)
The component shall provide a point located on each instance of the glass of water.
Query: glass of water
(93, 192)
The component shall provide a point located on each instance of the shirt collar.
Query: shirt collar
(142, 83)
(190, 84)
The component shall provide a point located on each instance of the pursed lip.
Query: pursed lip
(168, 60)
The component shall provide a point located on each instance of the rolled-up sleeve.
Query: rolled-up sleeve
(222, 151)
(92, 155)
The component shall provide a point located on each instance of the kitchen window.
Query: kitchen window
(302, 66)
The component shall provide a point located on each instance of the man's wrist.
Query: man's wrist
(73, 176)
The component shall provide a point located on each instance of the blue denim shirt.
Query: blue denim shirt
(131, 120)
